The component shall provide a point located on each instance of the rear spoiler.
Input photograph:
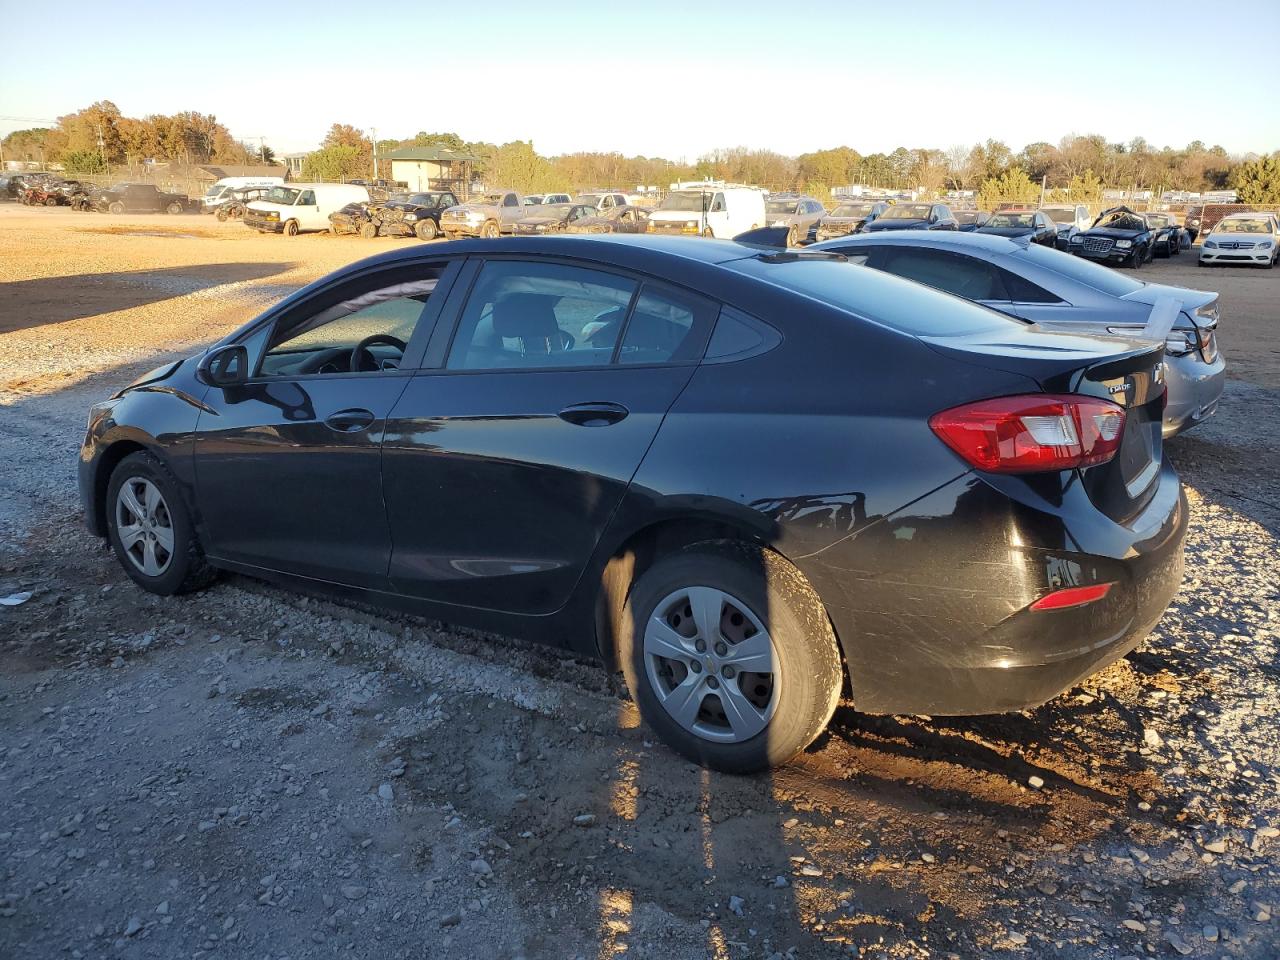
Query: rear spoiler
(764, 237)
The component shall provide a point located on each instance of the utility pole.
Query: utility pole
(374, 131)
(1044, 182)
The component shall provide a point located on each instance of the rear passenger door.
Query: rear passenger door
(504, 462)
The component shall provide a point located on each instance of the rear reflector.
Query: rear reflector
(1032, 433)
(1072, 597)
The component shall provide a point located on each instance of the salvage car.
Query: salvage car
(1119, 235)
(602, 200)
(1032, 224)
(350, 219)
(1251, 239)
(968, 221)
(847, 218)
(740, 553)
(1070, 218)
(140, 198)
(553, 218)
(413, 214)
(1166, 234)
(913, 216)
(799, 214)
(628, 219)
(489, 215)
(1058, 291)
(234, 204)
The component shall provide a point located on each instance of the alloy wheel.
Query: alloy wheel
(144, 526)
(712, 664)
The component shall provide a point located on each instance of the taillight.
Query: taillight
(1032, 433)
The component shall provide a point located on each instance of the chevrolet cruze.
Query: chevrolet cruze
(750, 479)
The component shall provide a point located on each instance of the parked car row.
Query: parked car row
(694, 488)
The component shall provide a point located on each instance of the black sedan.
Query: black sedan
(668, 453)
(1166, 234)
(1032, 224)
(1119, 235)
(913, 216)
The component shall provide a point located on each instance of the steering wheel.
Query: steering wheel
(360, 352)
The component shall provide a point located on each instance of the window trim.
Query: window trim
(442, 344)
(429, 321)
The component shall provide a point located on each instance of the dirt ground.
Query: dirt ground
(250, 772)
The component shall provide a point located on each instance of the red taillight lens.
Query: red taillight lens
(1032, 433)
(1072, 597)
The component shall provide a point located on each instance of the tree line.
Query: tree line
(97, 137)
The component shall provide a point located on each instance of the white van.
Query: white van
(220, 192)
(710, 209)
(296, 207)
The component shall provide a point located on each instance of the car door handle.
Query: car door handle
(599, 414)
(349, 421)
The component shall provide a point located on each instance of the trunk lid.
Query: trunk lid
(1129, 373)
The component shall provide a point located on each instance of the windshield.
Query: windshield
(1159, 219)
(1061, 214)
(1012, 220)
(282, 195)
(852, 210)
(1081, 270)
(1121, 220)
(1258, 225)
(214, 191)
(687, 201)
(907, 211)
(781, 206)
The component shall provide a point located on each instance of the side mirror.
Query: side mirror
(225, 367)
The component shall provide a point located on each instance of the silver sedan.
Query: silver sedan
(1059, 291)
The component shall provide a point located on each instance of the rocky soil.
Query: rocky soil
(250, 772)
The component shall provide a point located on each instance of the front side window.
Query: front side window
(379, 322)
(717, 205)
(525, 315)
(308, 198)
(510, 200)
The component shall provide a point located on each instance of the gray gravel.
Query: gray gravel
(252, 772)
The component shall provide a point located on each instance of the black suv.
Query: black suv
(413, 214)
(140, 198)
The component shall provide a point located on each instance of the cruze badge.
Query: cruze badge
(1119, 388)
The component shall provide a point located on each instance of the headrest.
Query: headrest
(527, 316)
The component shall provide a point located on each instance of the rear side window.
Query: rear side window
(1022, 290)
(536, 315)
(1082, 271)
(738, 336)
(888, 300)
(661, 327)
(963, 276)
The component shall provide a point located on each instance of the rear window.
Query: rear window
(896, 303)
(1082, 271)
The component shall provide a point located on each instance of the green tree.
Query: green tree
(1011, 186)
(1258, 181)
(337, 162)
(84, 161)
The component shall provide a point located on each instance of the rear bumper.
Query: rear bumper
(949, 630)
(1194, 389)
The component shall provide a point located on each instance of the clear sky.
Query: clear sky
(664, 78)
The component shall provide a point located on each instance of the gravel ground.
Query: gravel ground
(249, 772)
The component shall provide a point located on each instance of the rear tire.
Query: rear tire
(221, 215)
(160, 552)
(291, 228)
(50, 201)
(789, 701)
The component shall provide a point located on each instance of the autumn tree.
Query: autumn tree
(1258, 181)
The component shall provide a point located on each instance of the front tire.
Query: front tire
(150, 529)
(489, 231)
(291, 228)
(116, 208)
(369, 230)
(425, 229)
(730, 656)
(174, 208)
(1138, 257)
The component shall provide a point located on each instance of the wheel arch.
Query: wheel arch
(637, 551)
(108, 460)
